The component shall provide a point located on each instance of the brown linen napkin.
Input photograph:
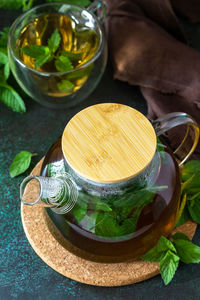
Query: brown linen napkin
(148, 48)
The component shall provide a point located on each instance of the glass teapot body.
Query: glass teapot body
(113, 221)
(108, 224)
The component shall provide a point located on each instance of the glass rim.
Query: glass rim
(24, 15)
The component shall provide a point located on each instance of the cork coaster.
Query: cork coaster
(36, 225)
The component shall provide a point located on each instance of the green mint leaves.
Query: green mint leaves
(63, 61)
(34, 51)
(190, 197)
(8, 95)
(21, 163)
(157, 253)
(83, 3)
(179, 248)
(54, 41)
(27, 4)
(14, 4)
(168, 266)
(63, 64)
(169, 252)
(66, 86)
(43, 54)
(186, 250)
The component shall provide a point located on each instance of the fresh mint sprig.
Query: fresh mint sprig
(16, 4)
(8, 95)
(27, 4)
(183, 249)
(21, 163)
(190, 193)
(83, 3)
(168, 253)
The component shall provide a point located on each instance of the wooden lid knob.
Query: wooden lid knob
(109, 142)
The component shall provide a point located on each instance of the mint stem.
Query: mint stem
(29, 5)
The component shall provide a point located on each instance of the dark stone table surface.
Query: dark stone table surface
(23, 275)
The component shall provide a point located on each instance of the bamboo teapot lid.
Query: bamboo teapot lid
(109, 143)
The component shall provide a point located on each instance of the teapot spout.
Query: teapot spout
(58, 193)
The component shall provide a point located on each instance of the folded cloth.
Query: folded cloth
(148, 48)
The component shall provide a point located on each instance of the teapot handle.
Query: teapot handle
(191, 138)
(100, 6)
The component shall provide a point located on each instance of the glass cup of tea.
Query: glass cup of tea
(73, 52)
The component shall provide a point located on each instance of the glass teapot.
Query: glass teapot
(109, 185)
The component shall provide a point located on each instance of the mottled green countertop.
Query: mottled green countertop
(23, 275)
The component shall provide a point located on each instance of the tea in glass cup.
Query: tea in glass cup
(57, 53)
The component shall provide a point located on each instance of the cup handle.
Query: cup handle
(98, 5)
(191, 138)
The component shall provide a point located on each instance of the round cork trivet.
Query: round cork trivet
(109, 142)
(51, 251)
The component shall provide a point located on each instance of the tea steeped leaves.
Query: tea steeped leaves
(65, 86)
(63, 64)
(34, 51)
(54, 41)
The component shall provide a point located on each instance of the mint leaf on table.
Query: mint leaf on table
(7, 94)
(158, 252)
(16, 4)
(65, 86)
(54, 41)
(168, 266)
(4, 37)
(169, 252)
(63, 64)
(11, 98)
(82, 3)
(20, 163)
(4, 60)
(190, 188)
(165, 253)
(180, 236)
(189, 169)
(187, 251)
(11, 4)
(194, 208)
(185, 216)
